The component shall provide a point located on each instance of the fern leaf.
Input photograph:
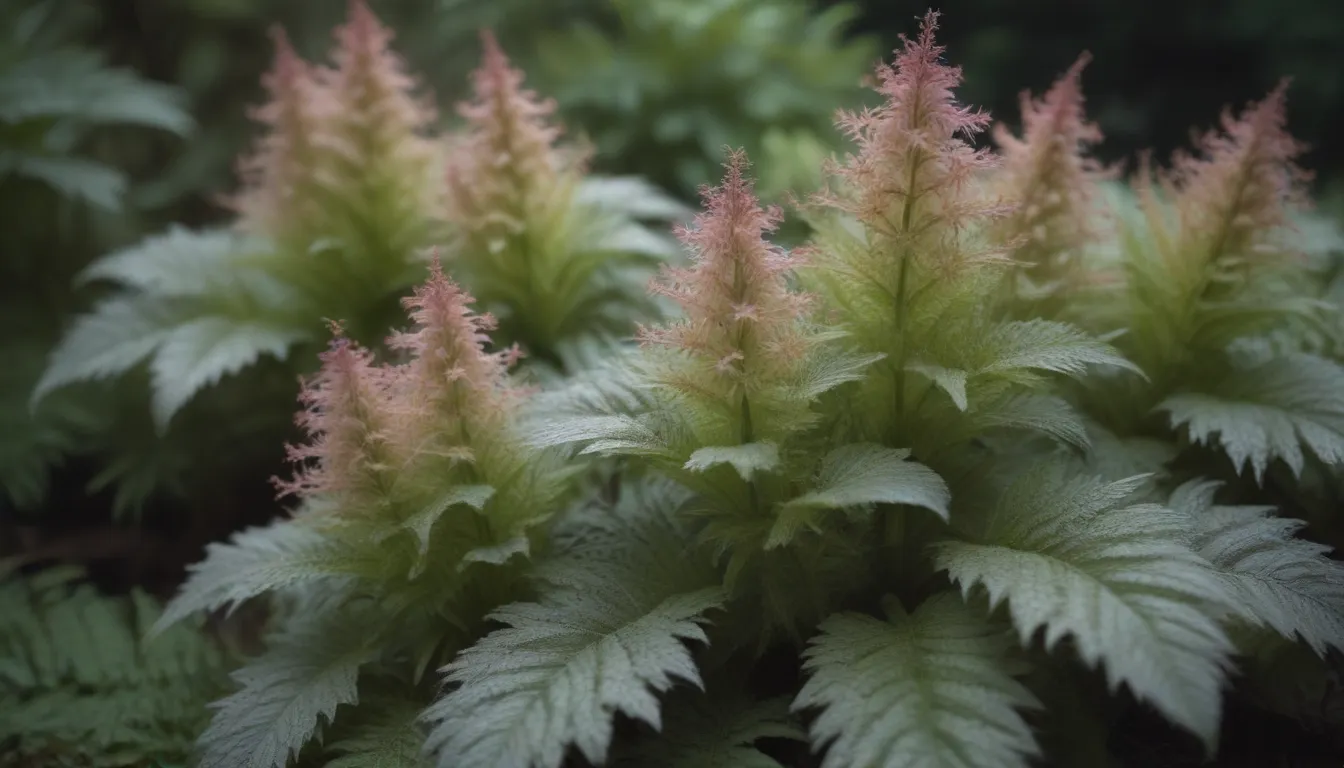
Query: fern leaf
(1072, 557)
(79, 684)
(1279, 581)
(606, 634)
(935, 687)
(714, 730)
(747, 459)
(255, 561)
(199, 353)
(421, 524)
(859, 475)
(1269, 411)
(308, 671)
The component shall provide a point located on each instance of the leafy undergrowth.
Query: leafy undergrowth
(1010, 464)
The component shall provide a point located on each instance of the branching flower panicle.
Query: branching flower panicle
(454, 389)
(1054, 184)
(278, 175)
(507, 159)
(1233, 195)
(377, 117)
(910, 177)
(349, 415)
(741, 317)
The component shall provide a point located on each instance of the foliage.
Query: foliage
(340, 199)
(80, 686)
(668, 87)
(914, 492)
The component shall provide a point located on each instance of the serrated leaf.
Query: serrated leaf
(934, 688)
(117, 335)
(421, 524)
(950, 380)
(861, 474)
(1269, 411)
(498, 554)
(1074, 558)
(717, 728)
(199, 353)
(177, 262)
(1279, 581)
(387, 735)
(1047, 345)
(255, 561)
(829, 367)
(747, 459)
(287, 693)
(607, 634)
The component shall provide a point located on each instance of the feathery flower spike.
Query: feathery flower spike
(1240, 184)
(453, 387)
(284, 159)
(914, 161)
(348, 416)
(740, 313)
(507, 157)
(1053, 182)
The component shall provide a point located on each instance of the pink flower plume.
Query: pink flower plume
(914, 160)
(348, 415)
(1049, 177)
(507, 154)
(739, 311)
(1242, 181)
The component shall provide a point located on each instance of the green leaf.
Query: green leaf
(177, 262)
(631, 195)
(1279, 581)
(117, 335)
(950, 380)
(932, 688)
(1047, 345)
(256, 561)
(1268, 411)
(1073, 557)
(714, 729)
(605, 636)
(747, 459)
(73, 177)
(308, 671)
(386, 735)
(200, 352)
(75, 84)
(498, 554)
(421, 524)
(858, 475)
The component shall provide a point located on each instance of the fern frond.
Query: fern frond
(605, 636)
(287, 693)
(1268, 410)
(1075, 558)
(1279, 581)
(936, 687)
(713, 729)
(77, 679)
